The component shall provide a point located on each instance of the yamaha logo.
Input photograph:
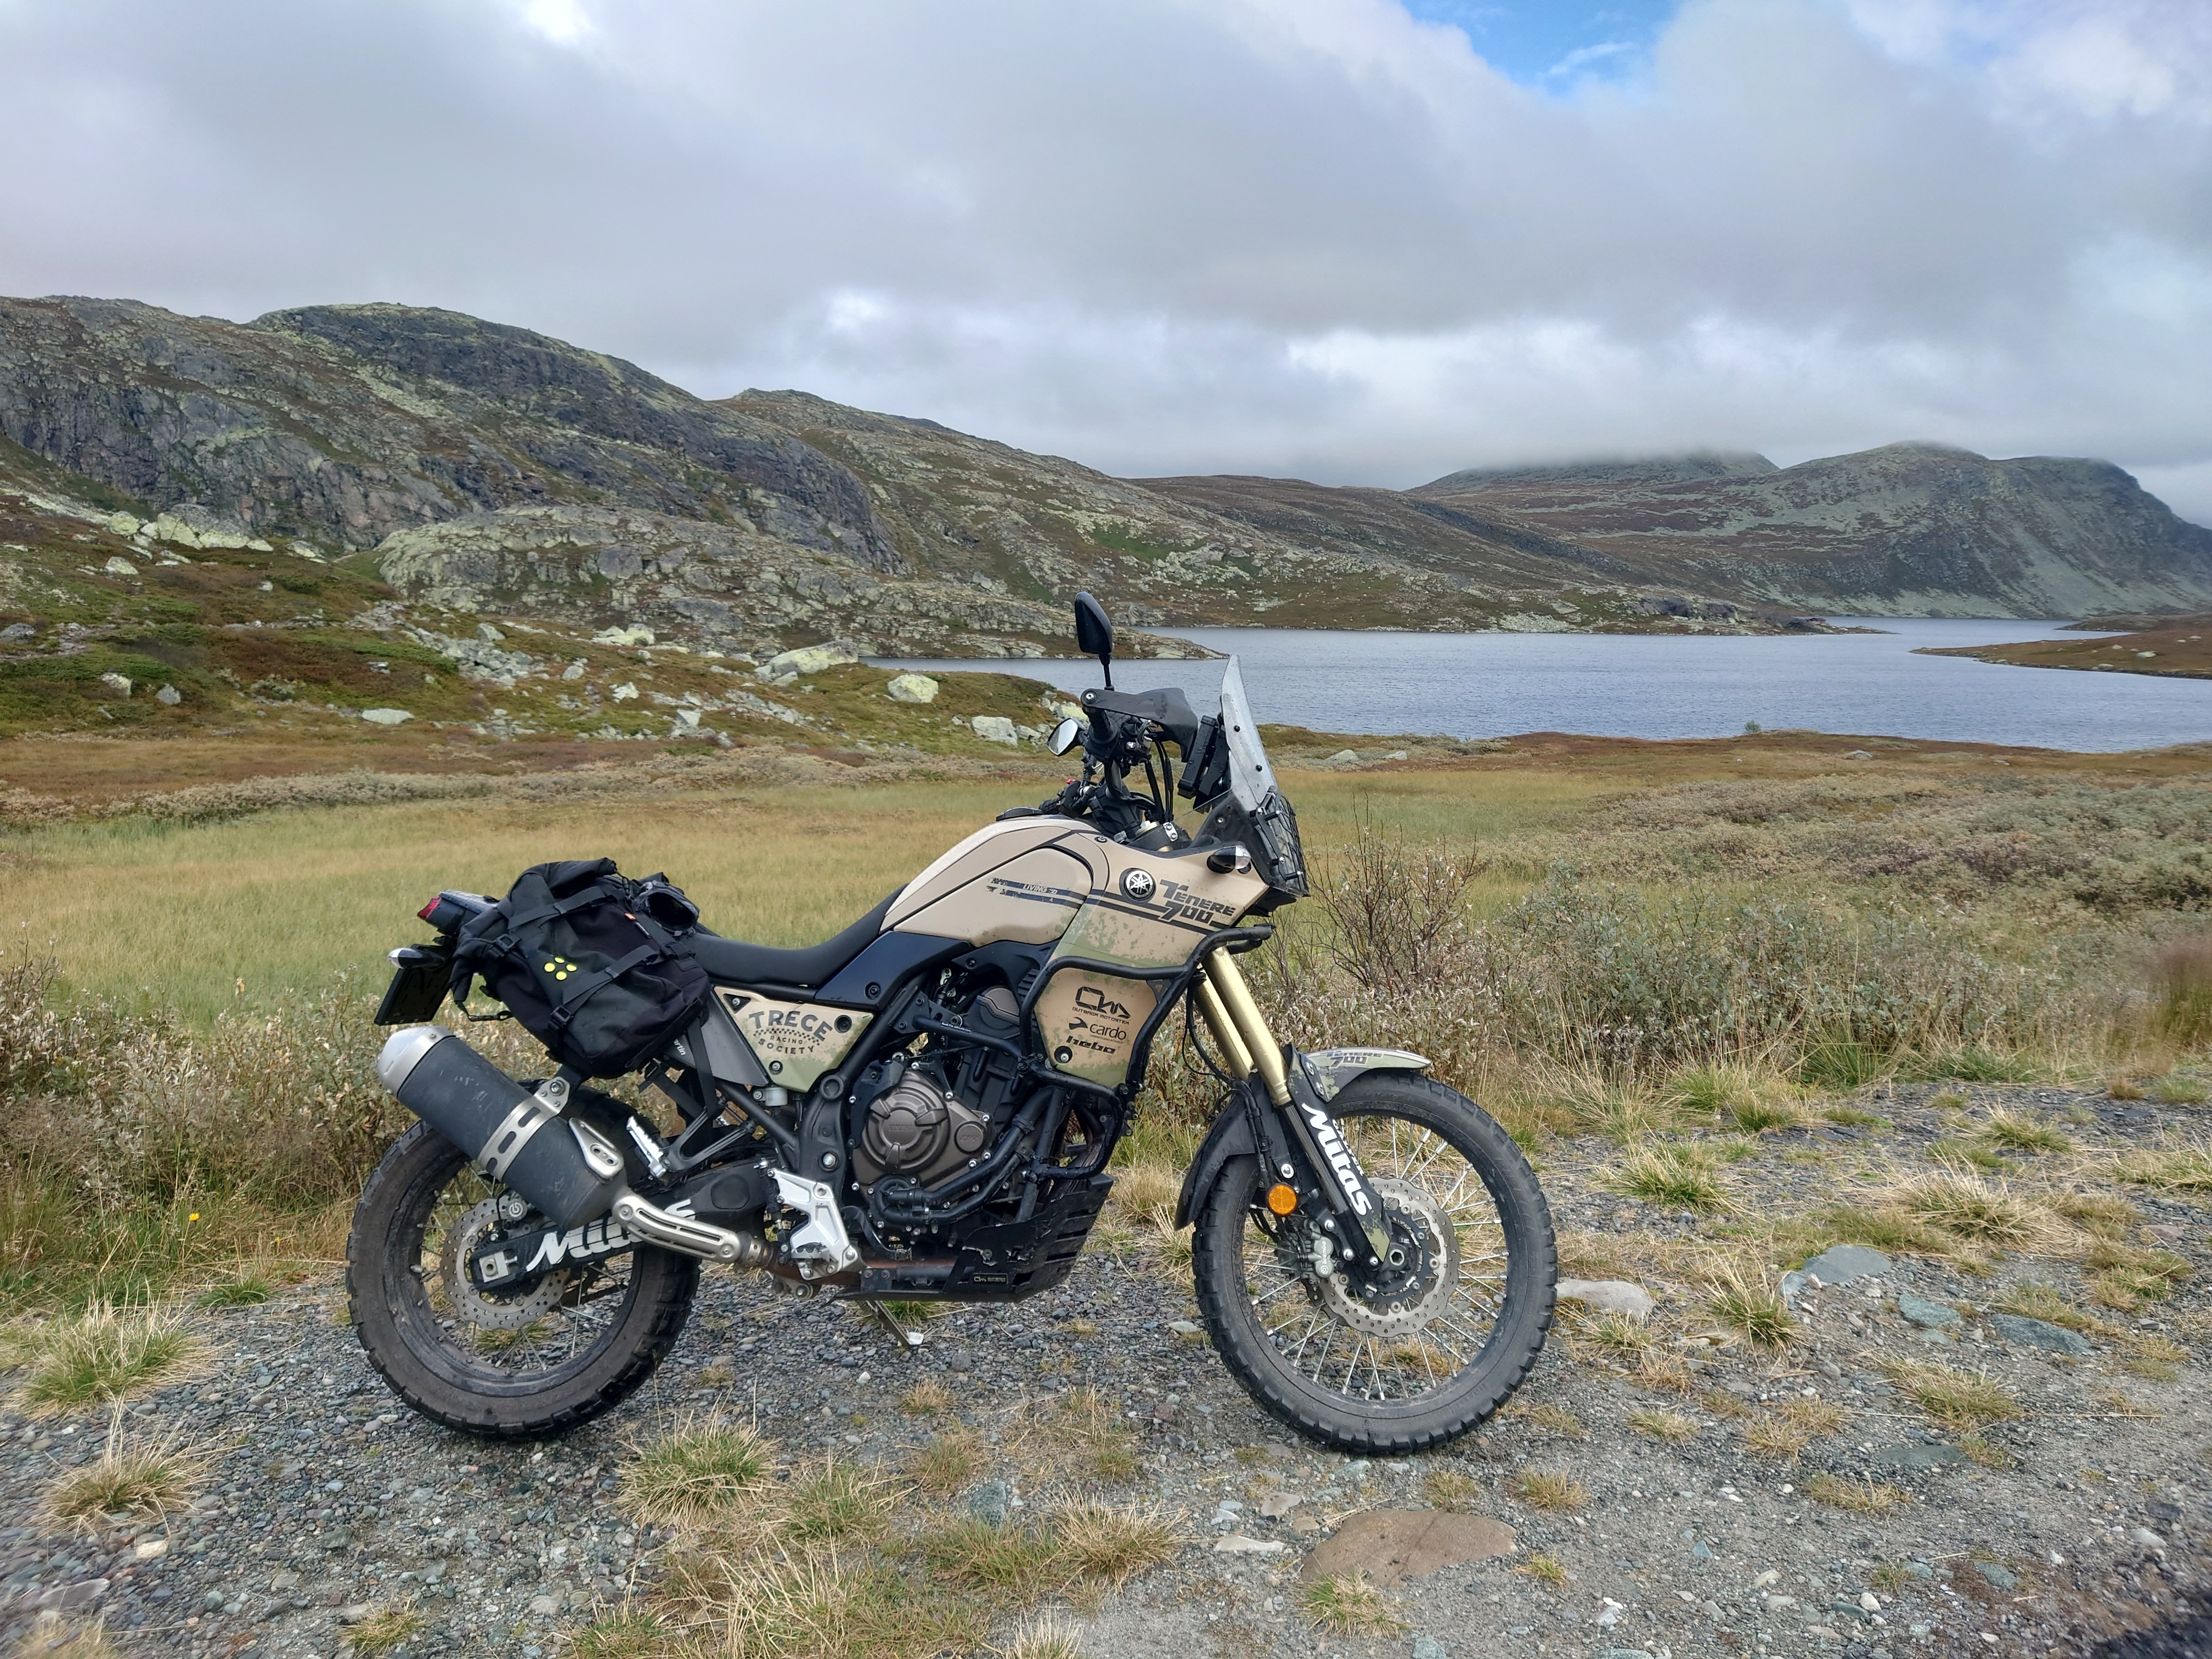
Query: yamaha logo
(1137, 883)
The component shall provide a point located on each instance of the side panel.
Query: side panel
(1089, 1022)
(796, 1041)
(1029, 898)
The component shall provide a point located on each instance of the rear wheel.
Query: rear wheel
(538, 1360)
(1425, 1350)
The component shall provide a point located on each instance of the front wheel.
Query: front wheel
(1419, 1357)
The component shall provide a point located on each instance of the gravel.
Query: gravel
(326, 1500)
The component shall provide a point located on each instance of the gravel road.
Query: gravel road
(2084, 1518)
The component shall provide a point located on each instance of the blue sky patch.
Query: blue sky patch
(1553, 43)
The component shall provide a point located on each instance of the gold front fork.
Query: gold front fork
(1237, 1026)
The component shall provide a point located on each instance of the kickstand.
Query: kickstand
(906, 1339)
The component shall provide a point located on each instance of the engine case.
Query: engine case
(915, 1129)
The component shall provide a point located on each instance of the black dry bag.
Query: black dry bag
(594, 965)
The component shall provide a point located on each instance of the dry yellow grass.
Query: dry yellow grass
(1548, 1489)
(136, 1475)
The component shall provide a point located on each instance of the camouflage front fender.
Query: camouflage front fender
(1331, 1069)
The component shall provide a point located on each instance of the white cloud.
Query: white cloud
(1283, 235)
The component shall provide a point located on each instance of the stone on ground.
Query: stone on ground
(912, 688)
(1391, 1545)
(1609, 1295)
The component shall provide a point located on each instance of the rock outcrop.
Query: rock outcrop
(493, 469)
(1905, 530)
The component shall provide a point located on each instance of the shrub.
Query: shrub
(2181, 979)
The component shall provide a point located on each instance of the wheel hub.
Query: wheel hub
(1414, 1282)
(507, 1310)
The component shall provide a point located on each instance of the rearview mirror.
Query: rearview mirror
(1094, 634)
(1064, 736)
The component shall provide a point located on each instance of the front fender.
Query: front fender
(1331, 1069)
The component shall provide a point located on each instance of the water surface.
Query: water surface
(1647, 686)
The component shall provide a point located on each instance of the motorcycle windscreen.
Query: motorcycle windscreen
(1251, 779)
(1280, 856)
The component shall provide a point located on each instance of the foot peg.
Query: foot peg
(656, 1226)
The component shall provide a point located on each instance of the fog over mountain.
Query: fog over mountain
(1325, 239)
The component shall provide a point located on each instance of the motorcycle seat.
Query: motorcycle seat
(812, 965)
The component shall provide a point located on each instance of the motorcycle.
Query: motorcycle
(925, 1107)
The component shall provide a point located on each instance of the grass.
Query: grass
(946, 1463)
(1347, 1604)
(1550, 1418)
(1673, 1177)
(1861, 1497)
(835, 1503)
(1548, 1489)
(136, 1477)
(1956, 1201)
(103, 1354)
(1957, 1400)
(2025, 1134)
(1048, 1638)
(52, 1637)
(1098, 1545)
(2186, 1168)
(1789, 1429)
(2181, 1090)
(699, 1473)
(248, 1284)
(1452, 1489)
(385, 1630)
(1670, 1426)
(1546, 1570)
(2048, 1304)
(1753, 1308)
(926, 1398)
(631, 1633)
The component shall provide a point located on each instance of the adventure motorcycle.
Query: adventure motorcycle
(925, 1106)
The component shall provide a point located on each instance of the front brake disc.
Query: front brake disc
(1415, 1216)
(511, 1312)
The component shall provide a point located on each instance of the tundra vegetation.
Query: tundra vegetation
(1658, 963)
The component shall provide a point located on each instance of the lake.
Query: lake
(1642, 685)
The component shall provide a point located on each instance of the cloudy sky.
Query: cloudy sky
(1356, 240)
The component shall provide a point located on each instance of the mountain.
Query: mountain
(463, 469)
(1909, 529)
(492, 471)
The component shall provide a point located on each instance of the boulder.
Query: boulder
(119, 566)
(387, 716)
(994, 728)
(911, 688)
(808, 659)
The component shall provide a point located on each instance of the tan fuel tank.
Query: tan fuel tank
(1007, 881)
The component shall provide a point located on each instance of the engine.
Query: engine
(930, 1115)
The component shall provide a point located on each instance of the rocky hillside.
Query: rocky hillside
(494, 472)
(464, 472)
(1904, 530)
